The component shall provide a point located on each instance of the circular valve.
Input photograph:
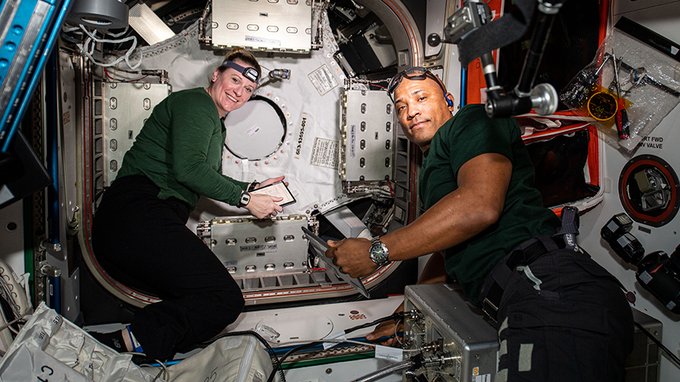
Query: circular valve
(648, 188)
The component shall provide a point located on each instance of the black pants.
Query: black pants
(143, 242)
(573, 325)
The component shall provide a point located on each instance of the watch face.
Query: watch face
(378, 253)
(245, 199)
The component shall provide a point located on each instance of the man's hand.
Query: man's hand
(351, 256)
(389, 330)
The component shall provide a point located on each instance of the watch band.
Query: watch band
(244, 200)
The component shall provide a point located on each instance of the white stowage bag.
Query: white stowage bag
(13, 294)
(48, 347)
(229, 359)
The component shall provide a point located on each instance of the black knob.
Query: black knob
(434, 39)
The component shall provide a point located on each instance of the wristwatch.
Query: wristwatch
(378, 252)
(245, 199)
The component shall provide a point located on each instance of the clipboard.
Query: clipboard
(277, 189)
(319, 246)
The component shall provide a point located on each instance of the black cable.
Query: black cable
(288, 353)
(395, 317)
(673, 358)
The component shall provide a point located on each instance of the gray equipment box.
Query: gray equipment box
(444, 325)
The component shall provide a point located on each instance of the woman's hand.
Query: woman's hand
(271, 181)
(263, 206)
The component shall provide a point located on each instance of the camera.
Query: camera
(657, 272)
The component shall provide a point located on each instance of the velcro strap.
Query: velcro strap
(492, 290)
(570, 221)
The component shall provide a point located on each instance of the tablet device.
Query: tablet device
(319, 247)
(277, 189)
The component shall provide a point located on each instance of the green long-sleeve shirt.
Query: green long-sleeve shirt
(180, 150)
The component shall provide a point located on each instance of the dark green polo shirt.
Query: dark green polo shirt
(180, 150)
(468, 134)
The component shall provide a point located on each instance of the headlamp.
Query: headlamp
(247, 71)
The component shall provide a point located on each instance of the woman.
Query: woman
(139, 232)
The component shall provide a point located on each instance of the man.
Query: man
(560, 315)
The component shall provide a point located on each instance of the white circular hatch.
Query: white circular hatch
(255, 130)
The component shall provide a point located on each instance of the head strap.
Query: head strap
(247, 71)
